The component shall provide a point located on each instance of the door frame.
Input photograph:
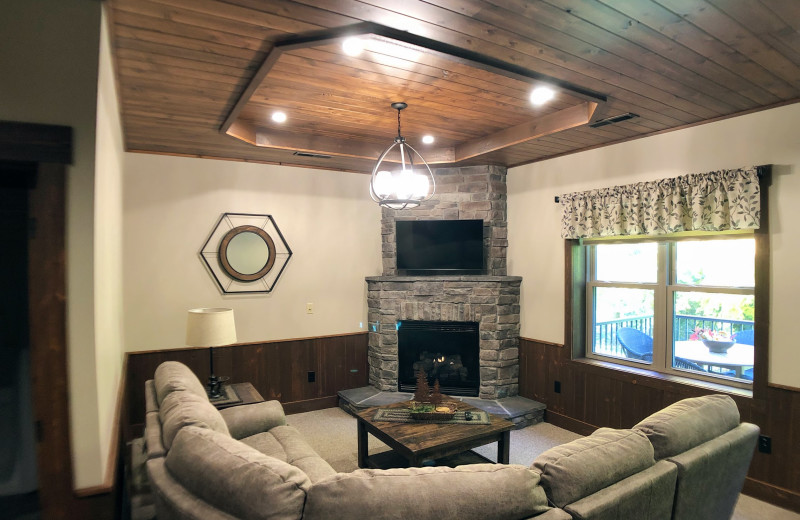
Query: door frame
(50, 147)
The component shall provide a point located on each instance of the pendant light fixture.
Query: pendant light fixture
(404, 185)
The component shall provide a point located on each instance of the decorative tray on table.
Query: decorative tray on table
(431, 412)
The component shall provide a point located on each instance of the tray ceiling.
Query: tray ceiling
(202, 77)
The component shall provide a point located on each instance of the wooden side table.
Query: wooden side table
(246, 392)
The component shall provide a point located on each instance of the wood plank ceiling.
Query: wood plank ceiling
(183, 65)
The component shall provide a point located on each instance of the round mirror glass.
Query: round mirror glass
(247, 253)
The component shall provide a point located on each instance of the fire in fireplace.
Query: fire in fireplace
(444, 350)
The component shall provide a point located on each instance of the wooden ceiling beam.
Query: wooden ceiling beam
(323, 145)
(549, 124)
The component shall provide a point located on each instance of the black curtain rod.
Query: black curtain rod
(761, 171)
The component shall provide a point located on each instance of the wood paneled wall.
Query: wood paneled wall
(277, 369)
(594, 396)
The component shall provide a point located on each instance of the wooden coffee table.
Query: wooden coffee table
(420, 441)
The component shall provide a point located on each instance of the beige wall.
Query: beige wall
(171, 205)
(535, 244)
(109, 346)
(49, 64)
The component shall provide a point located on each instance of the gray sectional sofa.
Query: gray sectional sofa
(687, 461)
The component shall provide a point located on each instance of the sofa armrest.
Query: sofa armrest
(471, 492)
(250, 419)
(150, 401)
(152, 436)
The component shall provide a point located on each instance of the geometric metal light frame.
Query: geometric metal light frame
(264, 226)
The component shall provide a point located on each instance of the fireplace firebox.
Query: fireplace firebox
(444, 350)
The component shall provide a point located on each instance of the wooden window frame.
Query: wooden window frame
(664, 289)
(575, 324)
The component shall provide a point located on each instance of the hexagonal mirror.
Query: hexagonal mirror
(246, 253)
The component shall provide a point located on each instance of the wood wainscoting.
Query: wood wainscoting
(593, 396)
(277, 369)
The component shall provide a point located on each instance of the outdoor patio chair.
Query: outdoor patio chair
(635, 343)
(685, 363)
(638, 345)
(745, 337)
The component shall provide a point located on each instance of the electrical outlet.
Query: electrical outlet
(309, 308)
(557, 387)
(312, 377)
(764, 444)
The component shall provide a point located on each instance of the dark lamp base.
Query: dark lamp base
(215, 386)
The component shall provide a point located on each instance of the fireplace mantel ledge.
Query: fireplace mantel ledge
(445, 278)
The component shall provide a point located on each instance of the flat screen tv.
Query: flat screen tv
(430, 247)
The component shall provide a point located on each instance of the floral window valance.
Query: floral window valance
(715, 201)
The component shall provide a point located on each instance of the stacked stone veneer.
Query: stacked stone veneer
(492, 300)
(471, 192)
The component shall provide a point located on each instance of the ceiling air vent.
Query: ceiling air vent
(612, 120)
(314, 155)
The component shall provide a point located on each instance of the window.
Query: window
(675, 306)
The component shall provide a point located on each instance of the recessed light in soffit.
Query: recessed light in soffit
(329, 135)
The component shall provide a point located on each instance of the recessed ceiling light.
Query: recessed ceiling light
(541, 95)
(427, 139)
(279, 117)
(353, 46)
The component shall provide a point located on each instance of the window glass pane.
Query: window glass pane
(726, 263)
(713, 333)
(623, 323)
(627, 262)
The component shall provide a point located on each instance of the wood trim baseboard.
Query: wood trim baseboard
(265, 342)
(310, 405)
(774, 495)
(541, 342)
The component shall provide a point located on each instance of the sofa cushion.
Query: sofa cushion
(173, 376)
(285, 443)
(584, 466)
(645, 495)
(180, 409)
(689, 423)
(236, 478)
(711, 475)
(472, 492)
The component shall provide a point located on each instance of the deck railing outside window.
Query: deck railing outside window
(605, 333)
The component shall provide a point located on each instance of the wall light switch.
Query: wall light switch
(309, 308)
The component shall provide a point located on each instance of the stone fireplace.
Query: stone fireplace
(491, 301)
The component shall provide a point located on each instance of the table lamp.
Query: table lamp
(211, 328)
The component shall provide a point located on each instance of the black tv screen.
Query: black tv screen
(427, 247)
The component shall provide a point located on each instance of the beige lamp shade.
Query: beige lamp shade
(210, 327)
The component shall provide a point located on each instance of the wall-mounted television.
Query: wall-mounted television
(431, 247)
